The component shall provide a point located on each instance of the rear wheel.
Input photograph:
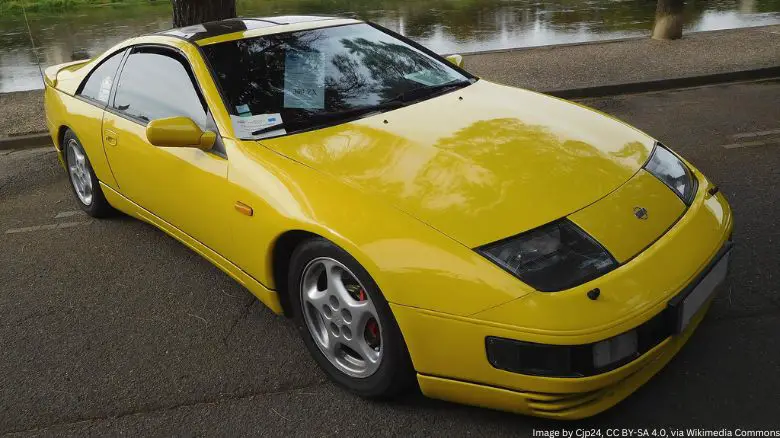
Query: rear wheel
(82, 178)
(346, 323)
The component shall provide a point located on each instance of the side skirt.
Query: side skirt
(269, 297)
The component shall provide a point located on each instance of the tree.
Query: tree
(189, 12)
(668, 20)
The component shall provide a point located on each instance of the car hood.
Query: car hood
(481, 163)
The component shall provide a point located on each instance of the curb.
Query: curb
(555, 46)
(43, 139)
(25, 141)
(666, 84)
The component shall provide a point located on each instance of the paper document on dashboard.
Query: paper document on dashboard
(244, 126)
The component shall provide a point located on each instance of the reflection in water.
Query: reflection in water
(446, 26)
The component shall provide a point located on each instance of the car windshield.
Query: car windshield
(292, 82)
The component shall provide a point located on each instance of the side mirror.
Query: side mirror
(179, 132)
(455, 59)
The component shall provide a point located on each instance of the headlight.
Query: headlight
(665, 166)
(553, 257)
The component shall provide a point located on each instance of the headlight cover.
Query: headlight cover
(665, 166)
(551, 258)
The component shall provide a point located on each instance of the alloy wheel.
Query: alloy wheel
(341, 317)
(80, 175)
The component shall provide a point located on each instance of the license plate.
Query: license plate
(708, 285)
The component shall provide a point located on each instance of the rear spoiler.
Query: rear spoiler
(50, 74)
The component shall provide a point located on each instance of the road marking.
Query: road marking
(747, 144)
(757, 134)
(46, 227)
(63, 214)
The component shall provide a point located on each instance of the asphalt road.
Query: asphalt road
(113, 328)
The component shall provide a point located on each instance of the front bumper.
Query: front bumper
(611, 388)
(449, 354)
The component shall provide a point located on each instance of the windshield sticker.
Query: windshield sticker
(304, 80)
(105, 89)
(243, 110)
(244, 126)
(430, 78)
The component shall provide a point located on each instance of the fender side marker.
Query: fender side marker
(243, 208)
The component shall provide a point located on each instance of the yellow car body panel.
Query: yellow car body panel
(185, 186)
(482, 153)
(564, 399)
(410, 193)
(623, 235)
(86, 120)
(636, 290)
(631, 295)
(403, 255)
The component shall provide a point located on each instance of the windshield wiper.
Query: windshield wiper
(395, 102)
(269, 129)
(317, 120)
(425, 91)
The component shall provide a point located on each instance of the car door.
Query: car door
(186, 187)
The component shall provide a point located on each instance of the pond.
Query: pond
(446, 26)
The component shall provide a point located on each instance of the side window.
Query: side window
(156, 85)
(98, 84)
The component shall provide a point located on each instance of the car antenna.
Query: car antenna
(32, 43)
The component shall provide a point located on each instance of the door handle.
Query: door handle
(110, 137)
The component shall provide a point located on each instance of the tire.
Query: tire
(83, 182)
(356, 336)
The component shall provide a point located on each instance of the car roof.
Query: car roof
(243, 27)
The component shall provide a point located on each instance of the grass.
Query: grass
(16, 7)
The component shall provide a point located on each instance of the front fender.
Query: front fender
(413, 264)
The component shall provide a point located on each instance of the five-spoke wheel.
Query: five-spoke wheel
(82, 178)
(80, 175)
(345, 321)
(341, 317)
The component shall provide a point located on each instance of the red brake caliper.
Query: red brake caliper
(373, 328)
(373, 331)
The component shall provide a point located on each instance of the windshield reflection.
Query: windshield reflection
(314, 78)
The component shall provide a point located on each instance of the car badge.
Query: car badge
(640, 213)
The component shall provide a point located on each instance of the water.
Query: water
(446, 26)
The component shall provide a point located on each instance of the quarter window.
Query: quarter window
(155, 85)
(99, 82)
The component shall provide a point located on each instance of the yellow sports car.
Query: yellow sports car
(422, 226)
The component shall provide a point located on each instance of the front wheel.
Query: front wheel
(82, 178)
(346, 323)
